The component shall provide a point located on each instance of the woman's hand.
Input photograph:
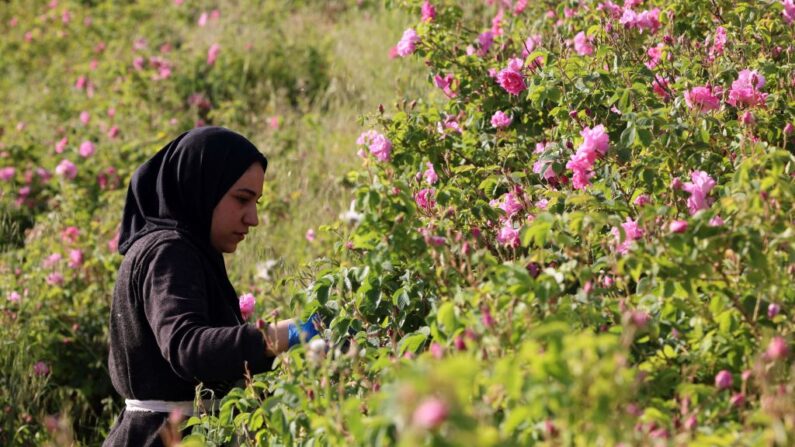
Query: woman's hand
(285, 334)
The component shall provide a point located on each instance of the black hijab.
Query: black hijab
(179, 187)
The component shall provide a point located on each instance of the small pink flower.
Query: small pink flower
(379, 145)
(437, 351)
(511, 81)
(273, 122)
(86, 149)
(14, 296)
(789, 129)
(485, 40)
(508, 235)
(85, 117)
(113, 132)
(212, 53)
(582, 44)
(676, 184)
(70, 235)
(202, 19)
(51, 260)
(66, 169)
(430, 414)
(215, 14)
(747, 118)
(716, 222)
(655, 55)
(408, 43)
(642, 200)
(428, 12)
(60, 146)
(777, 349)
(789, 11)
(719, 42)
(446, 84)
(773, 309)
(660, 87)
(247, 304)
(55, 279)
(646, 20)
(7, 173)
(41, 368)
(745, 90)
(310, 235)
(424, 199)
(678, 226)
(703, 99)
(699, 189)
(81, 82)
(500, 120)
(737, 400)
(75, 258)
(691, 423)
(723, 380)
(631, 233)
(430, 174)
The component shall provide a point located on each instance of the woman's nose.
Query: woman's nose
(251, 218)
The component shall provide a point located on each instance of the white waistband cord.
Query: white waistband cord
(164, 406)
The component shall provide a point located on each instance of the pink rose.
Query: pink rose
(702, 99)
(430, 414)
(86, 149)
(678, 226)
(247, 304)
(789, 11)
(310, 235)
(511, 81)
(773, 309)
(508, 235)
(428, 12)
(212, 53)
(41, 368)
(430, 174)
(424, 199)
(408, 43)
(500, 120)
(723, 380)
(631, 233)
(777, 349)
(699, 188)
(582, 44)
(745, 90)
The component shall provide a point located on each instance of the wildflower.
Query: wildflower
(247, 304)
(582, 44)
(86, 149)
(723, 380)
(699, 188)
(428, 12)
(430, 174)
(66, 169)
(511, 80)
(408, 43)
(631, 233)
(703, 98)
(777, 349)
(745, 90)
(212, 53)
(424, 199)
(500, 120)
(41, 368)
(310, 235)
(430, 414)
(678, 226)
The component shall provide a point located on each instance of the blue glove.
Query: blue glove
(308, 329)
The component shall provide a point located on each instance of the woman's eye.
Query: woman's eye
(242, 200)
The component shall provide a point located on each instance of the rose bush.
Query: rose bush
(608, 287)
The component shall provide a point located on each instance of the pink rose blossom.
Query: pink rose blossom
(378, 144)
(408, 43)
(745, 90)
(70, 235)
(75, 258)
(777, 349)
(7, 173)
(247, 304)
(646, 20)
(41, 368)
(212, 53)
(678, 226)
(737, 400)
(54, 279)
(716, 222)
(430, 414)
(582, 44)
(51, 260)
(511, 81)
(788, 129)
(595, 144)
(772, 310)
(446, 84)
(655, 55)
(85, 117)
(113, 132)
(703, 98)
(81, 82)
(642, 200)
(723, 380)
(631, 233)
(437, 351)
(424, 199)
(215, 14)
(485, 40)
(310, 235)
(508, 235)
(500, 120)
(428, 12)
(430, 174)
(496, 23)
(789, 11)
(66, 169)
(86, 149)
(14, 296)
(718, 43)
(202, 19)
(699, 188)
(61, 145)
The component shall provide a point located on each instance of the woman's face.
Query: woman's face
(237, 210)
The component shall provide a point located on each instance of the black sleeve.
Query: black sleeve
(175, 304)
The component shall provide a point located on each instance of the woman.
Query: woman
(175, 320)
